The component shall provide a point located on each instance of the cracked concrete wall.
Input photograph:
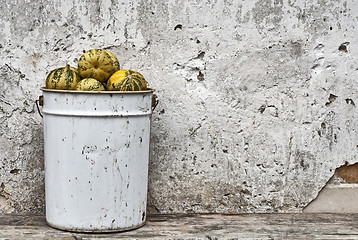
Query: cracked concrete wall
(257, 98)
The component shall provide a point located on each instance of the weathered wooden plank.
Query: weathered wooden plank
(200, 226)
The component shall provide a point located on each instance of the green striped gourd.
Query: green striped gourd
(115, 61)
(64, 78)
(126, 80)
(97, 64)
(90, 84)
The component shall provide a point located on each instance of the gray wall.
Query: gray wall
(257, 98)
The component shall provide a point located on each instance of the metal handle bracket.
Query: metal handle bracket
(155, 102)
(40, 102)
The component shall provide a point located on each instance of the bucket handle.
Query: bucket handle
(40, 102)
(155, 102)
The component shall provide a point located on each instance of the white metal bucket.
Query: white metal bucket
(96, 159)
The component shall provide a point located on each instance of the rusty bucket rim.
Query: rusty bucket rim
(148, 90)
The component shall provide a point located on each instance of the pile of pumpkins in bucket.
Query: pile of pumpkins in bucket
(98, 70)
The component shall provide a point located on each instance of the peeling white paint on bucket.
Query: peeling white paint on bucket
(96, 159)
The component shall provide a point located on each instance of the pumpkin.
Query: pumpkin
(126, 80)
(64, 78)
(90, 84)
(97, 64)
(115, 61)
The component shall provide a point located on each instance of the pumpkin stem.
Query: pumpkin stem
(68, 66)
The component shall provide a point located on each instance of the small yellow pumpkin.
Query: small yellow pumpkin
(115, 61)
(126, 80)
(90, 84)
(64, 78)
(97, 64)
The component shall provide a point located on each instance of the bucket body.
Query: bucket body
(96, 159)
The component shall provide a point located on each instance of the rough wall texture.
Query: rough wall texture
(257, 98)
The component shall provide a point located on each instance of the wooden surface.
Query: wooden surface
(204, 226)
